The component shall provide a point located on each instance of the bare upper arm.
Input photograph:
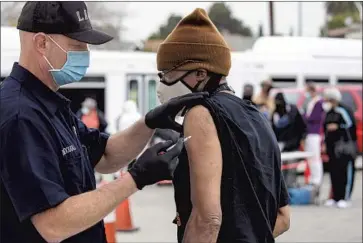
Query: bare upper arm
(205, 160)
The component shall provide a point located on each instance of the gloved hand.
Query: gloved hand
(163, 116)
(154, 165)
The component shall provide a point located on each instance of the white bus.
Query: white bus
(114, 77)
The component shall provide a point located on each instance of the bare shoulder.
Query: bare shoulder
(199, 119)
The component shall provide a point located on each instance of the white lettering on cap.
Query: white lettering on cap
(84, 17)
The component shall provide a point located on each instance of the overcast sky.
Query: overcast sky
(146, 17)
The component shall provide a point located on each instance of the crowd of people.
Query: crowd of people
(325, 126)
(319, 129)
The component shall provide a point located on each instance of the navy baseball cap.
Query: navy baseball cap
(66, 18)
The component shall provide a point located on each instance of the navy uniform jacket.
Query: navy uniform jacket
(46, 156)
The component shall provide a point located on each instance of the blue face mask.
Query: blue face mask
(73, 70)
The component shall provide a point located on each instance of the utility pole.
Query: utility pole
(271, 11)
(299, 22)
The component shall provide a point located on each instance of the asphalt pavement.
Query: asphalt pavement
(153, 210)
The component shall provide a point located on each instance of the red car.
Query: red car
(351, 96)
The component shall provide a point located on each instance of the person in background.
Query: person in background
(287, 124)
(263, 101)
(290, 130)
(91, 116)
(353, 134)
(248, 93)
(314, 118)
(129, 115)
(337, 127)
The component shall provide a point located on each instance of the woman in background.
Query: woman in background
(337, 126)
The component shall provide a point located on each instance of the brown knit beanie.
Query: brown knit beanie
(195, 38)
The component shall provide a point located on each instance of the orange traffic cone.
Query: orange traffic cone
(110, 227)
(123, 218)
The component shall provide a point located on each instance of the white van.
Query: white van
(291, 61)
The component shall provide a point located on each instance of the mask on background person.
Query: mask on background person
(307, 95)
(85, 110)
(73, 69)
(327, 106)
(247, 97)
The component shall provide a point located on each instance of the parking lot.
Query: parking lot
(153, 211)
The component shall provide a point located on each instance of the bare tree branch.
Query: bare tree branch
(108, 17)
(105, 16)
(10, 12)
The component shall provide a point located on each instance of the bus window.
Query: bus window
(349, 81)
(321, 80)
(98, 79)
(133, 91)
(152, 95)
(283, 79)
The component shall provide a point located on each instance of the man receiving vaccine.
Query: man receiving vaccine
(228, 183)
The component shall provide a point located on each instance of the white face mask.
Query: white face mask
(165, 92)
(85, 110)
(327, 106)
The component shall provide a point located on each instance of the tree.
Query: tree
(219, 13)
(260, 30)
(334, 8)
(339, 13)
(10, 12)
(165, 29)
(107, 17)
(222, 17)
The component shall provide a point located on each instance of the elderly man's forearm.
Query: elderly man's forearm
(80, 212)
(282, 225)
(202, 230)
(124, 146)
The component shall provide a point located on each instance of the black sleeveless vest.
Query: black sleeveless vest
(251, 175)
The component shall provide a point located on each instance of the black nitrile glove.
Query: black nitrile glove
(155, 164)
(163, 116)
